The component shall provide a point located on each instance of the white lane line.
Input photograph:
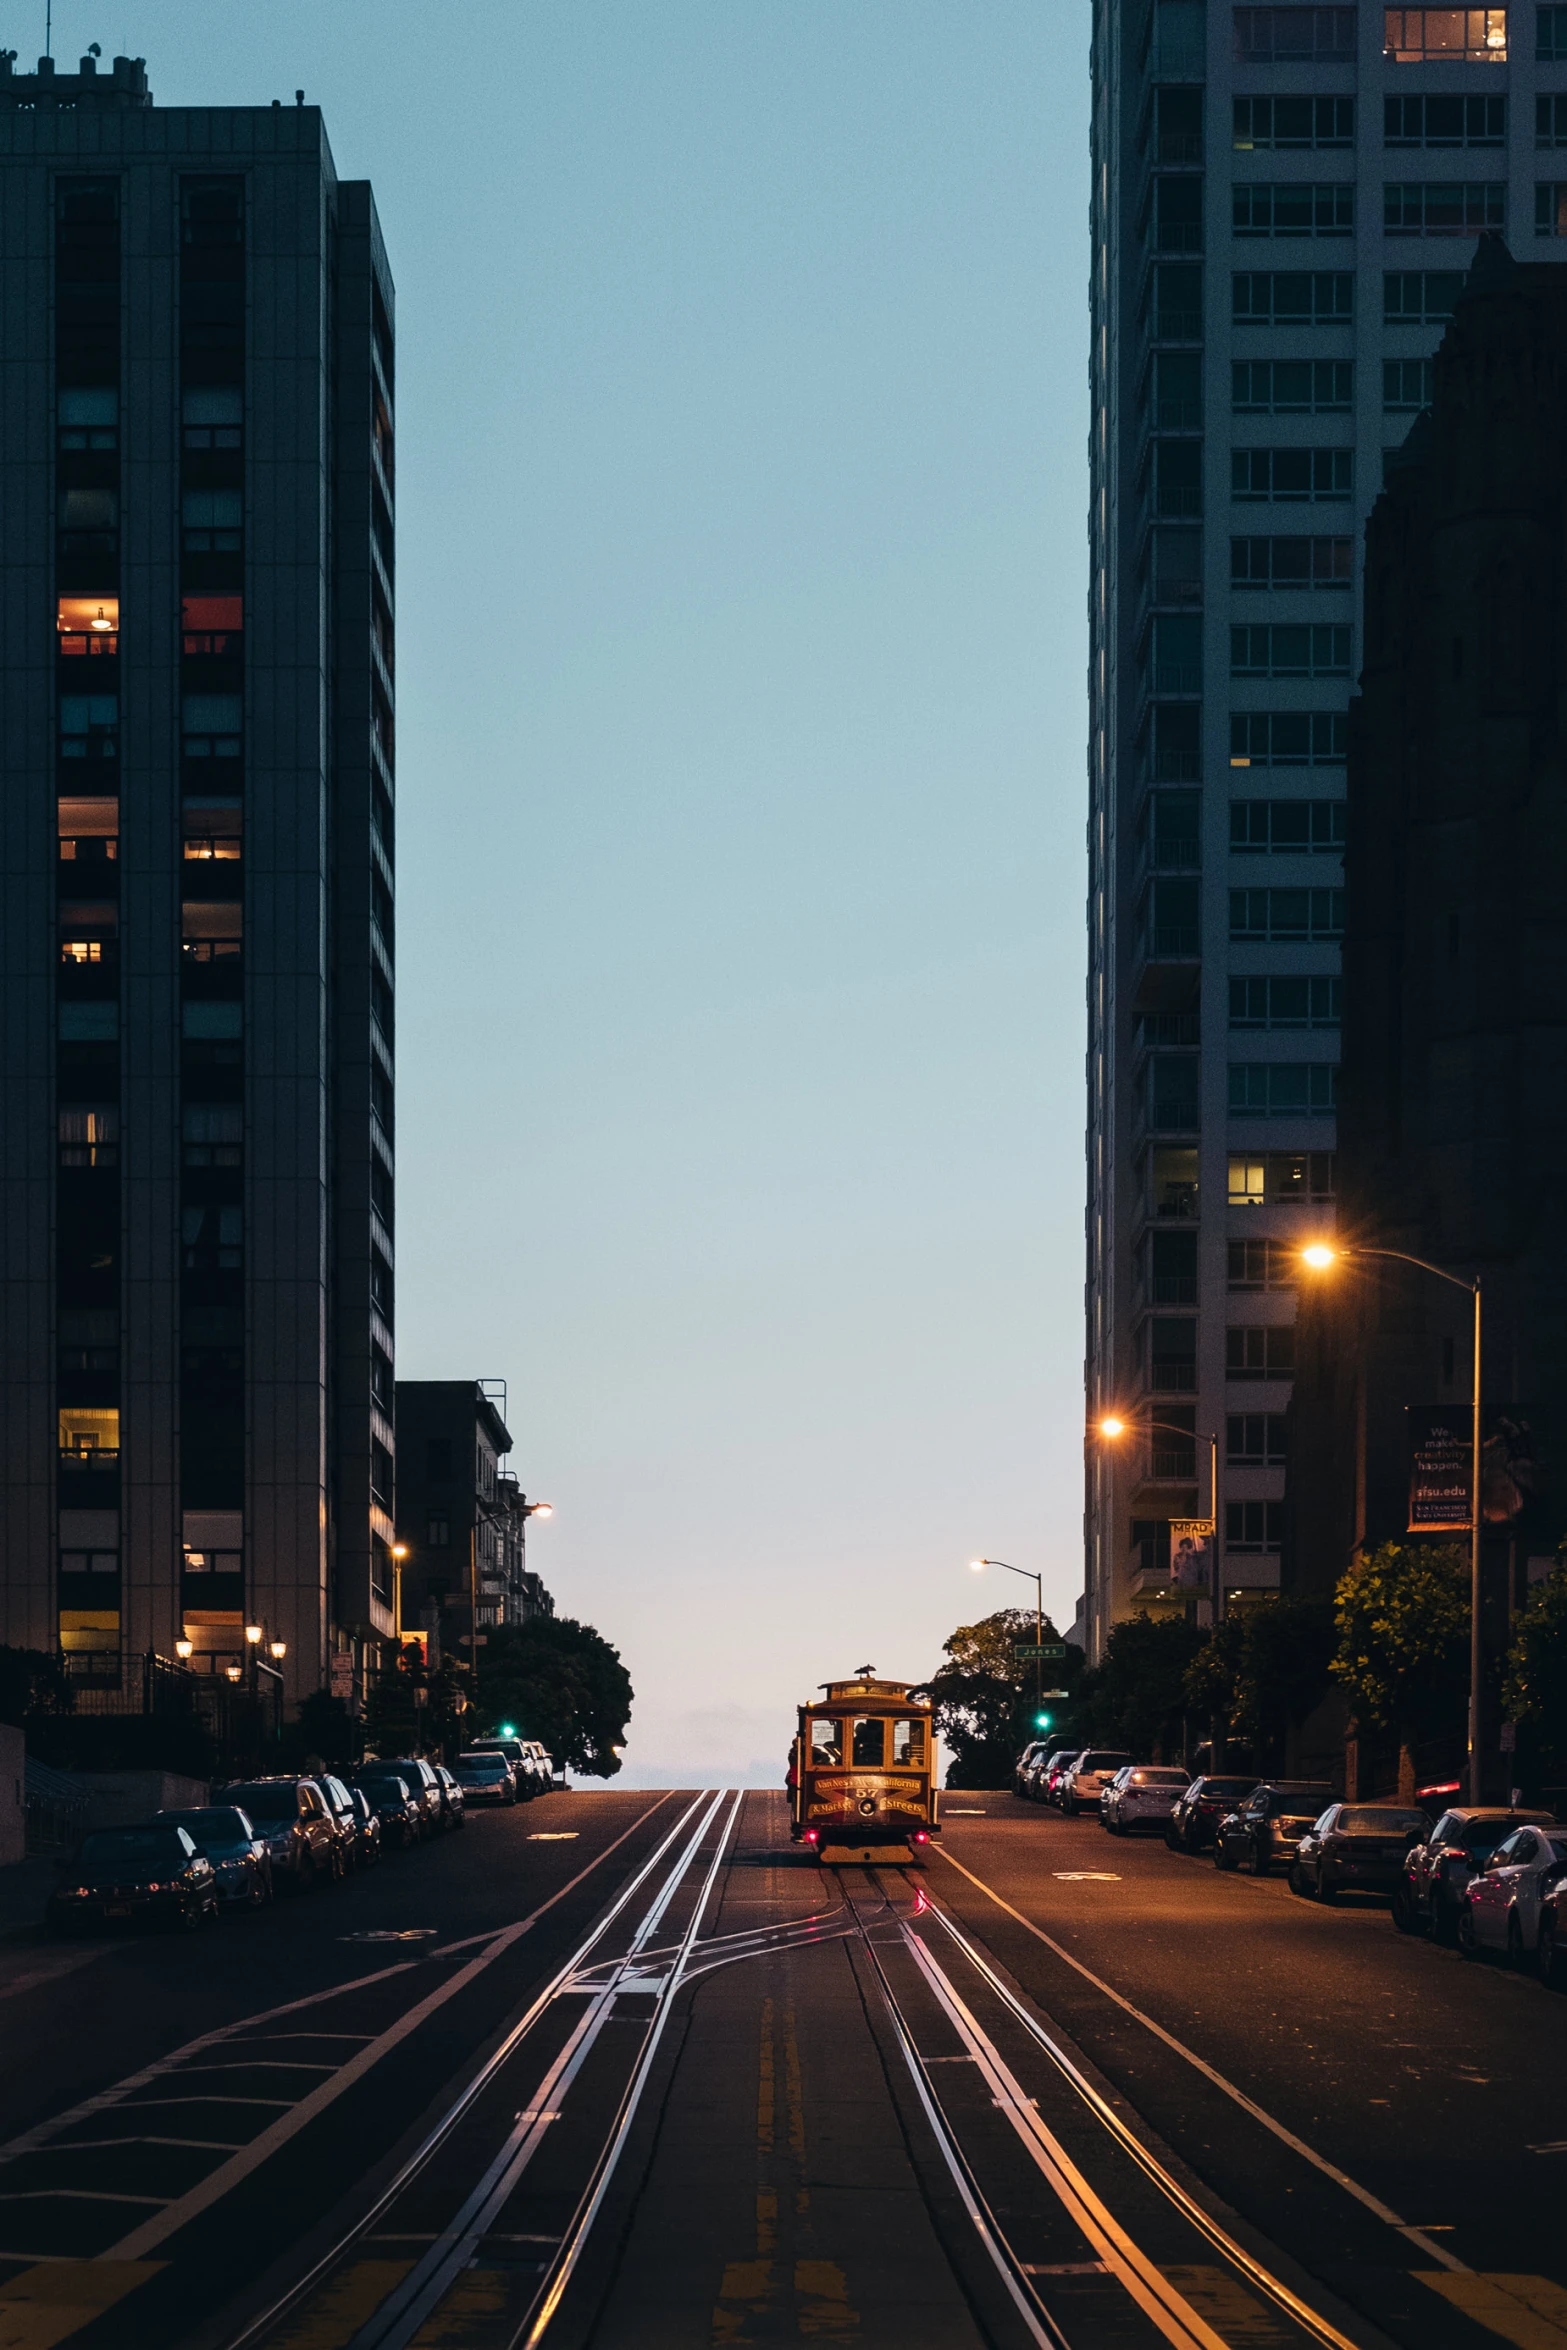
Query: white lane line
(106, 2099)
(141, 2138)
(227, 2176)
(1287, 2137)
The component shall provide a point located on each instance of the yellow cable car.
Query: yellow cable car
(862, 1785)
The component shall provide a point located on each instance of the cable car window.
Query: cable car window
(908, 1743)
(868, 1742)
(826, 1744)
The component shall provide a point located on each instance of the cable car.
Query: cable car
(864, 1772)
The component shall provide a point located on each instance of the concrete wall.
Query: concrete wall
(114, 1797)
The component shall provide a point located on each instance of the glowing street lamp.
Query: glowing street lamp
(1113, 1427)
(977, 1567)
(1321, 1257)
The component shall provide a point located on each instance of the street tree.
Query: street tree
(1534, 1693)
(1402, 1618)
(560, 1682)
(984, 1695)
(1135, 1697)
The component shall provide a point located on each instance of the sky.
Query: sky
(742, 411)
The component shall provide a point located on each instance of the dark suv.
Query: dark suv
(1194, 1822)
(393, 1802)
(1269, 1825)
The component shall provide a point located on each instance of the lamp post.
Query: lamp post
(1319, 1256)
(1114, 1427)
(977, 1567)
(399, 1553)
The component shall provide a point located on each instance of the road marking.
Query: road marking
(958, 1811)
(1065, 2268)
(556, 1836)
(1530, 2312)
(1552, 2146)
(1079, 1876)
(58, 2297)
(1340, 2178)
(70, 2195)
(393, 1934)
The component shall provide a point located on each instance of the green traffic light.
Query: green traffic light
(507, 1730)
(1041, 1721)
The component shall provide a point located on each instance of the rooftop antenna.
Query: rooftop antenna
(48, 28)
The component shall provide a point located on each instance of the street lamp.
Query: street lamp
(977, 1567)
(1321, 1256)
(1113, 1426)
(183, 1648)
(399, 1553)
(280, 1649)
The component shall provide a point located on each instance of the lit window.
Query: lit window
(1453, 36)
(86, 626)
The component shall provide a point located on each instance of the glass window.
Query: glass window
(869, 1742)
(826, 1744)
(1455, 36)
(908, 1743)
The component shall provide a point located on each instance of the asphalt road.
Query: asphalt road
(645, 2069)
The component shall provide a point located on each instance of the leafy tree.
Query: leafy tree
(1535, 1691)
(1287, 1661)
(983, 1695)
(560, 1682)
(1136, 1695)
(415, 1708)
(32, 1682)
(1215, 1680)
(326, 1728)
(1402, 1615)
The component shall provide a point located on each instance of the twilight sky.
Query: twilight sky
(742, 404)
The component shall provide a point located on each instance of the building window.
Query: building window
(1420, 297)
(1292, 387)
(1177, 390)
(1172, 838)
(1172, 1268)
(89, 726)
(1177, 302)
(438, 1459)
(1443, 208)
(1295, 36)
(1175, 480)
(1175, 213)
(1550, 119)
(212, 521)
(1176, 40)
(1288, 738)
(1283, 1089)
(1172, 1093)
(1172, 1356)
(1259, 1350)
(1172, 653)
(1256, 1440)
(1177, 126)
(1551, 36)
(1151, 1546)
(1175, 741)
(211, 726)
(1287, 827)
(1170, 1174)
(1254, 1527)
(213, 1239)
(214, 1134)
(213, 416)
(1173, 919)
(1293, 208)
(1406, 386)
(437, 1532)
(89, 1562)
(1278, 1001)
(89, 1137)
(1292, 476)
(1263, 916)
(212, 1562)
(1290, 648)
(1426, 120)
(1451, 36)
(1550, 208)
(1261, 1265)
(1293, 122)
(1280, 1178)
(1291, 562)
(1293, 297)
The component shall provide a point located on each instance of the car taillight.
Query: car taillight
(920, 1836)
(813, 1835)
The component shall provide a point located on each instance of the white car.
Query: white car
(1093, 1769)
(1144, 1797)
(1500, 1909)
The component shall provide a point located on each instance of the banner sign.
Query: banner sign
(1441, 1460)
(1191, 1553)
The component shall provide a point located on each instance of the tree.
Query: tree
(415, 1708)
(1287, 1664)
(1215, 1681)
(1136, 1695)
(983, 1697)
(326, 1728)
(1402, 1615)
(1535, 1691)
(560, 1682)
(32, 1682)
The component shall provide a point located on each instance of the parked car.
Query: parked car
(149, 1871)
(425, 1788)
(1437, 1873)
(1021, 1769)
(340, 1804)
(453, 1814)
(1143, 1797)
(485, 1778)
(1356, 1848)
(543, 1766)
(1053, 1777)
(1081, 1782)
(241, 1864)
(1500, 1908)
(1551, 1946)
(1038, 1778)
(1268, 1826)
(369, 1841)
(304, 1843)
(1197, 1813)
(393, 1802)
(1107, 1788)
(524, 1776)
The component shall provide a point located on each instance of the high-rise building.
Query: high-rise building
(1285, 202)
(196, 884)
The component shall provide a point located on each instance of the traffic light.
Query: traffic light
(508, 1730)
(1041, 1721)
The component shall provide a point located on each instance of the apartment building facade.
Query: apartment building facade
(196, 886)
(1285, 202)
(462, 1515)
